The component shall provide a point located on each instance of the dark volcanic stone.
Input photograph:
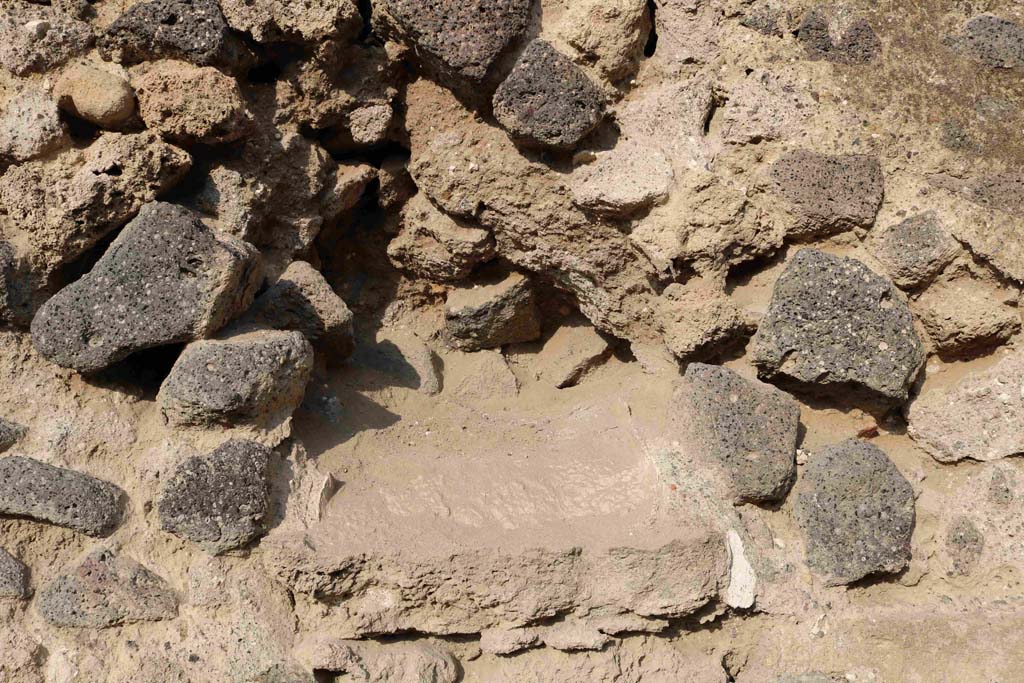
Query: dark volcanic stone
(167, 278)
(190, 30)
(13, 577)
(29, 488)
(455, 38)
(491, 315)
(751, 428)
(856, 513)
(855, 43)
(219, 500)
(106, 589)
(993, 41)
(829, 193)
(547, 100)
(37, 39)
(914, 250)
(834, 324)
(10, 432)
(964, 544)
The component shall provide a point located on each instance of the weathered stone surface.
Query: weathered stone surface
(962, 314)
(914, 250)
(250, 377)
(36, 39)
(828, 193)
(403, 359)
(189, 104)
(13, 577)
(609, 35)
(835, 35)
(832, 322)
(190, 30)
(277, 20)
(767, 105)
(573, 350)
(454, 38)
(492, 314)
(963, 544)
(372, 662)
(573, 636)
(219, 501)
(502, 641)
(698, 318)
(547, 100)
(856, 513)
(24, 659)
(167, 278)
(302, 300)
(29, 488)
(97, 94)
(30, 126)
(106, 589)
(628, 179)
(993, 41)
(981, 417)
(749, 427)
(10, 433)
(432, 245)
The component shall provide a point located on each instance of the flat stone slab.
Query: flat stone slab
(29, 488)
(492, 313)
(106, 589)
(834, 325)
(13, 577)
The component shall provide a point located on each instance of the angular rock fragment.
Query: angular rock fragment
(981, 417)
(29, 488)
(749, 427)
(572, 351)
(250, 377)
(13, 577)
(832, 34)
(501, 641)
(30, 126)
(856, 513)
(767, 105)
(454, 38)
(36, 39)
(963, 543)
(698, 319)
(993, 41)
(962, 314)
(190, 30)
(547, 100)
(914, 250)
(97, 94)
(10, 433)
(609, 35)
(828, 193)
(166, 279)
(302, 300)
(493, 314)
(219, 501)
(189, 104)
(367, 661)
(623, 181)
(106, 589)
(270, 21)
(834, 324)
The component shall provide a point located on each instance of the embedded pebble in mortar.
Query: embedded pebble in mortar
(914, 250)
(30, 126)
(10, 433)
(993, 41)
(831, 34)
(96, 94)
(35, 39)
(492, 314)
(13, 577)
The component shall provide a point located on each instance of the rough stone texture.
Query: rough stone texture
(698, 319)
(993, 41)
(963, 315)
(767, 105)
(251, 377)
(500, 641)
(834, 35)
(29, 488)
(30, 126)
(608, 35)
(219, 501)
(371, 662)
(980, 417)
(24, 658)
(833, 323)
(271, 21)
(547, 100)
(189, 104)
(302, 300)
(35, 39)
(459, 39)
(190, 30)
(856, 513)
(914, 250)
(13, 577)
(625, 180)
(749, 427)
(828, 193)
(490, 315)
(166, 279)
(573, 350)
(106, 589)
(10, 433)
(97, 94)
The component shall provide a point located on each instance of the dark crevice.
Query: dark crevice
(366, 12)
(652, 38)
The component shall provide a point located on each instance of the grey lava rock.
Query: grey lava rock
(30, 126)
(915, 250)
(856, 513)
(835, 37)
(547, 100)
(491, 315)
(10, 433)
(167, 278)
(461, 39)
(245, 378)
(751, 428)
(834, 324)
(29, 488)
(13, 577)
(964, 544)
(35, 39)
(993, 41)
(219, 501)
(106, 589)
(190, 30)
(829, 193)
